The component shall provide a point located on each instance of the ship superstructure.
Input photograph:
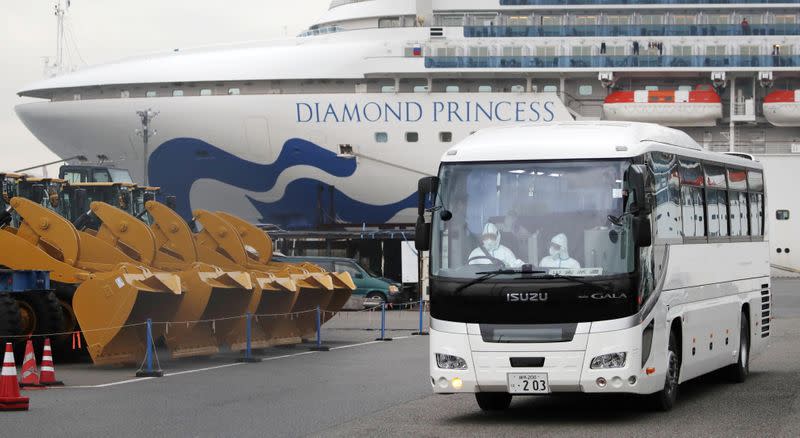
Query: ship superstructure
(335, 126)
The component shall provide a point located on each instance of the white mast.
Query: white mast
(56, 68)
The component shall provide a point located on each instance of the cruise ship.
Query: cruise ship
(333, 128)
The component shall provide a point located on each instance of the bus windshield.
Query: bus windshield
(560, 217)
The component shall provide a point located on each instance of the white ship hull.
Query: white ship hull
(265, 157)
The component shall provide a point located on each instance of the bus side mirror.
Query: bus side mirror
(171, 202)
(643, 232)
(427, 186)
(640, 183)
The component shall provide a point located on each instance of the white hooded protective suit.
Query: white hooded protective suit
(494, 250)
(559, 258)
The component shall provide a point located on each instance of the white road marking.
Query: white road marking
(199, 370)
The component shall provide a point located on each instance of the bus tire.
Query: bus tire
(665, 399)
(493, 401)
(739, 371)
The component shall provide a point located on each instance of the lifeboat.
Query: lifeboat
(699, 107)
(782, 107)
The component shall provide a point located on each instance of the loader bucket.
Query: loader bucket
(113, 307)
(211, 295)
(278, 298)
(343, 287)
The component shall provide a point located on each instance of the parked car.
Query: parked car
(370, 286)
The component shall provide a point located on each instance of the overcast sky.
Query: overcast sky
(108, 30)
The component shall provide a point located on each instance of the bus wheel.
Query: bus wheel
(493, 401)
(739, 371)
(664, 400)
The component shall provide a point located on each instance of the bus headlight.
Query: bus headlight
(393, 289)
(613, 360)
(448, 362)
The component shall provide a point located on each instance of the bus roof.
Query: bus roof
(580, 140)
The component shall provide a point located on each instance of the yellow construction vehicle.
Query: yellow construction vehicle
(317, 287)
(106, 292)
(28, 306)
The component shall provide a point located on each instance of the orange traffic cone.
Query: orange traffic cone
(30, 375)
(48, 377)
(10, 399)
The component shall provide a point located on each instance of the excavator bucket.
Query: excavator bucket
(218, 299)
(261, 250)
(111, 290)
(278, 298)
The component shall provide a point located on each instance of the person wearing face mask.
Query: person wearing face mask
(559, 255)
(491, 251)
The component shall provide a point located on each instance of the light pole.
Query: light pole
(146, 117)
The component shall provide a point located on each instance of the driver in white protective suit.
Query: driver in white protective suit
(491, 252)
(559, 255)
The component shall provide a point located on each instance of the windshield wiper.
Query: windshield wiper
(491, 274)
(575, 279)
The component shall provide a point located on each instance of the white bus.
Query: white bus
(592, 257)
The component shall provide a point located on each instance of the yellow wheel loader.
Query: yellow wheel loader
(28, 305)
(111, 294)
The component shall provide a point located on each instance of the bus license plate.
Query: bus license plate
(528, 384)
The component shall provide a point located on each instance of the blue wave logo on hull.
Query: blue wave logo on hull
(177, 164)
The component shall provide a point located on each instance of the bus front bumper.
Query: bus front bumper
(488, 367)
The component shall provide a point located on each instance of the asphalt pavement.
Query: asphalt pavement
(368, 388)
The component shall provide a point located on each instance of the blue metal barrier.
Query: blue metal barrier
(383, 323)
(318, 346)
(248, 349)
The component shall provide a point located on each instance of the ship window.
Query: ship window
(389, 22)
(76, 96)
(719, 19)
(446, 51)
(177, 93)
(550, 89)
(420, 88)
(782, 215)
(785, 19)
(586, 20)
(545, 51)
(618, 19)
(206, 92)
(387, 89)
(748, 50)
(446, 137)
(549, 20)
(450, 20)
(582, 51)
(512, 51)
(485, 89)
(517, 89)
(381, 137)
(479, 51)
(651, 87)
(650, 19)
(518, 20)
(151, 93)
(615, 50)
(124, 94)
(412, 137)
(234, 91)
(452, 89)
(585, 90)
(681, 50)
(715, 50)
(683, 19)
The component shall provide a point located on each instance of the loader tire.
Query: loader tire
(10, 322)
(48, 319)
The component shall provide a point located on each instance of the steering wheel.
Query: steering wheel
(499, 264)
